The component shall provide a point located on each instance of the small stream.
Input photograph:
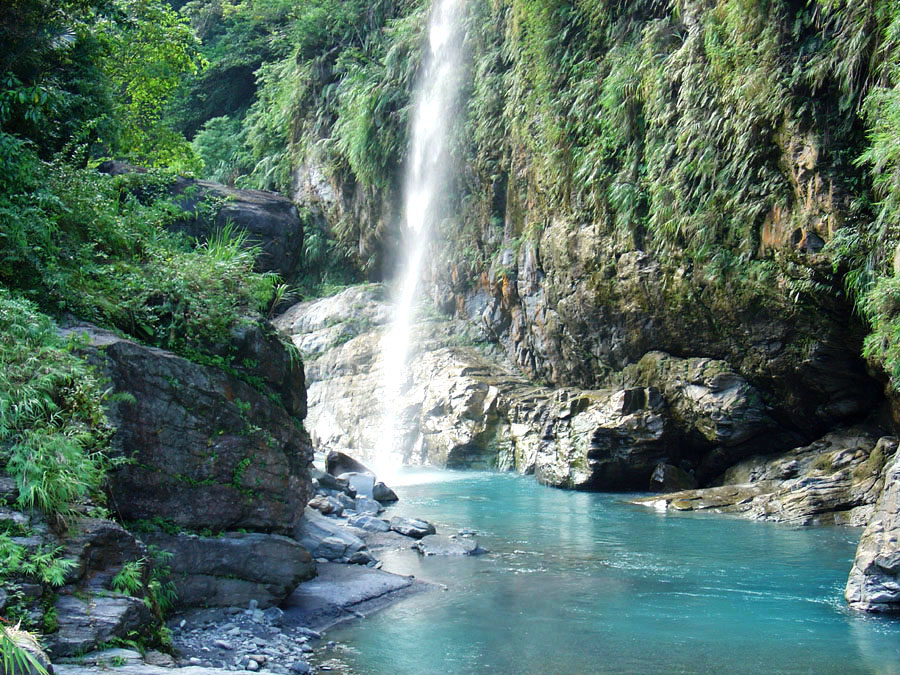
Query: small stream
(587, 583)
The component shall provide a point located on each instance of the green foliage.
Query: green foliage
(92, 76)
(39, 564)
(13, 657)
(52, 426)
(82, 242)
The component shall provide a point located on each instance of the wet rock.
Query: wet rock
(411, 527)
(337, 462)
(362, 483)
(329, 482)
(384, 494)
(366, 505)
(235, 568)
(438, 544)
(874, 581)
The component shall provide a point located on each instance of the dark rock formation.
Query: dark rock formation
(874, 582)
(270, 220)
(205, 449)
(337, 463)
(235, 568)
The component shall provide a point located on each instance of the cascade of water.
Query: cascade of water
(424, 190)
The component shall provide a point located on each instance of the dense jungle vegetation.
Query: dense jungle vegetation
(667, 121)
(81, 80)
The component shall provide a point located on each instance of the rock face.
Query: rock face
(835, 480)
(206, 450)
(873, 584)
(270, 220)
(235, 568)
(463, 408)
(87, 609)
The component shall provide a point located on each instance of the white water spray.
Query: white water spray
(424, 190)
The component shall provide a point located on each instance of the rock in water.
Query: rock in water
(337, 463)
(439, 544)
(412, 527)
(874, 584)
(369, 522)
(383, 493)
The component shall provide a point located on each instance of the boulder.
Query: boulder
(28, 644)
(412, 527)
(384, 494)
(337, 463)
(439, 544)
(234, 568)
(87, 621)
(366, 505)
(325, 537)
(874, 581)
(206, 450)
(270, 220)
(327, 506)
(369, 523)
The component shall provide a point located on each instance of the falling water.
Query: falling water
(425, 188)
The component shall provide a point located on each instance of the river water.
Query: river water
(587, 583)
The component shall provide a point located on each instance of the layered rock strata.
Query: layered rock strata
(874, 582)
(462, 408)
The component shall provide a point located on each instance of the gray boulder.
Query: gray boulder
(337, 462)
(270, 220)
(874, 581)
(325, 538)
(91, 620)
(207, 450)
(234, 568)
(366, 505)
(412, 527)
(384, 494)
(369, 523)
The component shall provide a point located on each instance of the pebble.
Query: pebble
(252, 666)
(222, 644)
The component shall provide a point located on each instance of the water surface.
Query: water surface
(587, 583)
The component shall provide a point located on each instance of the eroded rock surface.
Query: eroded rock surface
(206, 449)
(235, 568)
(464, 408)
(837, 479)
(874, 582)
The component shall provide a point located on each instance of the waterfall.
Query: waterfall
(425, 187)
